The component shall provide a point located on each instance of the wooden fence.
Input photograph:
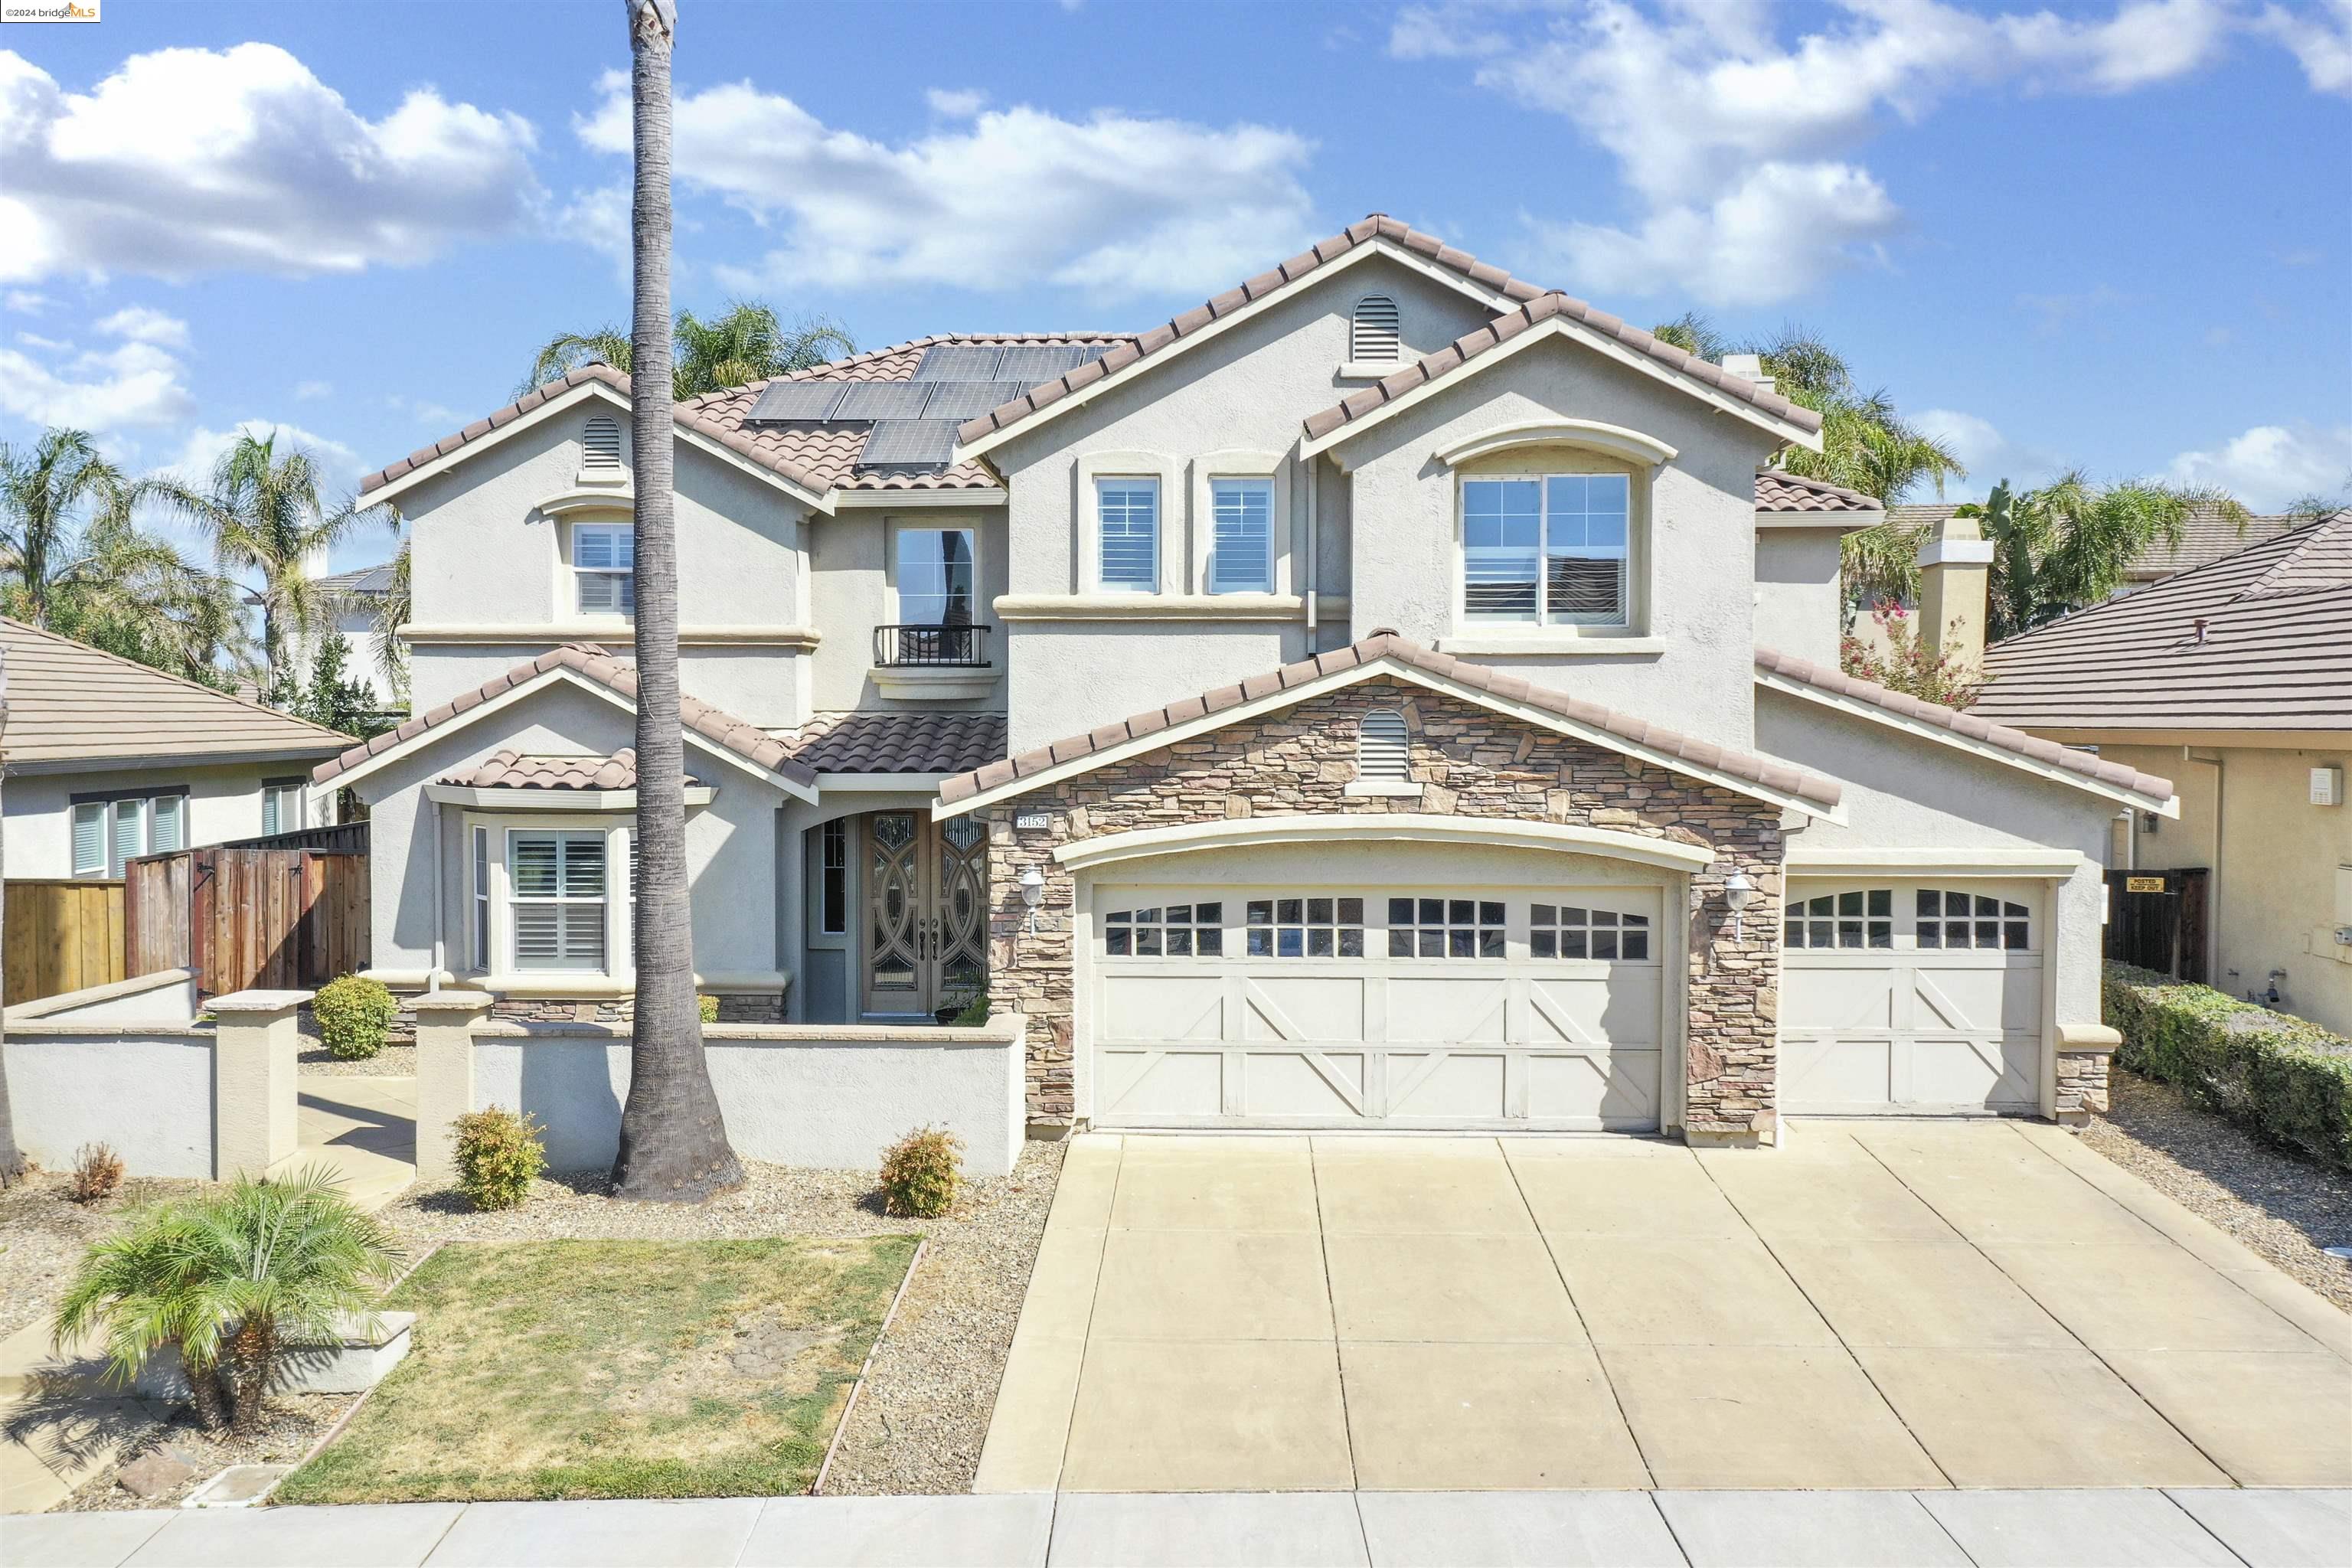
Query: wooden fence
(248, 919)
(62, 935)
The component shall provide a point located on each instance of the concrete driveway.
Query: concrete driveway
(1879, 1305)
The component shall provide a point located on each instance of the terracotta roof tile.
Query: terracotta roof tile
(513, 770)
(1777, 491)
(868, 741)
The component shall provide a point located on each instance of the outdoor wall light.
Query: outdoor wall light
(1032, 893)
(1737, 891)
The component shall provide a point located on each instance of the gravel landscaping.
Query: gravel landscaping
(2285, 1208)
(43, 1233)
(393, 1061)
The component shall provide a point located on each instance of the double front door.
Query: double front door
(926, 912)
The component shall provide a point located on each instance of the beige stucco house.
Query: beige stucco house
(1389, 694)
(2235, 680)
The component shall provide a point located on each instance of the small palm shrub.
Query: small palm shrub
(921, 1171)
(354, 1015)
(500, 1155)
(96, 1174)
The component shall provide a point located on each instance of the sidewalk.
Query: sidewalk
(2122, 1528)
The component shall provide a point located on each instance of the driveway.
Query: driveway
(1881, 1304)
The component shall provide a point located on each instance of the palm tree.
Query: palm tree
(747, 341)
(43, 495)
(2068, 543)
(392, 613)
(12, 1158)
(673, 1138)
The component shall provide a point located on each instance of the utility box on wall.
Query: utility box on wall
(2327, 786)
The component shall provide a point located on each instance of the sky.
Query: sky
(2114, 235)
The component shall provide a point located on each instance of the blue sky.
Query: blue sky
(2112, 236)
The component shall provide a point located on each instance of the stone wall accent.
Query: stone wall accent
(2081, 1085)
(734, 1007)
(1471, 762)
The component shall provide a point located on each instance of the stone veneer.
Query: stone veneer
(1471, 762)
(2082, 1084)
(734, 1007)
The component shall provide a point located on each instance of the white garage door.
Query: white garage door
(1535, 1007)
(1911, 998)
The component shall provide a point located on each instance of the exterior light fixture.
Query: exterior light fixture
(1032, 893)
(1738, 892)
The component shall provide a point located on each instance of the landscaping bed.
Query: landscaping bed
(42, 1234)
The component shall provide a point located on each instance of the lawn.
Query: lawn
(615, 1369)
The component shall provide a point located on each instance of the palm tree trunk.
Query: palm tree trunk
(673, 1142)
(204, 1389)
(251, 1350)
(12, 1158)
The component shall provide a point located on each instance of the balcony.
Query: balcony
(933, 663)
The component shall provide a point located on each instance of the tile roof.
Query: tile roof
(2204, 536)
(1780, 777)
(868, 741)
(594, 663)
(70, 703)
(2275, 653)
(1777, 491)
(513, 770)
(1969, 726)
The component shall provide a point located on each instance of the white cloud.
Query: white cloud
(27, 301)
(186, 160)
(1442, 33)
(2271, 466)
(956, 104)
(2320, 37)
(1987, 455)
(1114, 203)
(133, 385)
(143, 325)
(310, 391)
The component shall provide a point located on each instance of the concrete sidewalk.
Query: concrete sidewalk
(2122, 1528)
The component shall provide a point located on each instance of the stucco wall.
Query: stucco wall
(1799, 604)
(2274, 894)
(168, 996)
(148, 1091)
(224, 803)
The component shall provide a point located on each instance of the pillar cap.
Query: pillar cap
(258, 1002)
(450, 1001)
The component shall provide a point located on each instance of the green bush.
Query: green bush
(500, 1155)
(354, 1015)
(975, 1014)
(2280, 1078)
(921, 1171)
(709, 1007)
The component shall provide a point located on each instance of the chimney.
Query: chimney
(1955, 563)
(1749, 367)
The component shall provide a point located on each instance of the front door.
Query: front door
(926, 912)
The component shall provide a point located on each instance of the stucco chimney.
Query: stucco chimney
(1955, 564)
(1751, 366)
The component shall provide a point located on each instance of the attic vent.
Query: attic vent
(1383, 752)
(601, 447)
(1373, 333)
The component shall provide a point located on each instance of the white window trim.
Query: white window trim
(288, 790)
(108, 805)
(970, 525)
(1539, 632)
(620, 967)
(568, 598)
(1086, 523)
(1238, 465)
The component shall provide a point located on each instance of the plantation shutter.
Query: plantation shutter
(557, 883)
(90, 839)
(166, 830)
(1129, 514)
(129, 834)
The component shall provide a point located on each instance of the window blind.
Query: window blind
(1241, 558)
(1128, 516)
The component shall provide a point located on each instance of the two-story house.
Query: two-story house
(1389, 693)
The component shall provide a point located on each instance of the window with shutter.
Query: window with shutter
(601, 448)
(90, 839)
(1241, 559)
(1128, 516)
(168, 829)
(604, 558)
(1383, 747)
(556, 883)
(1550, 548)
(1373, 333)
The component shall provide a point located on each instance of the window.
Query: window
(605, 556)
(1860, 917)
(1551, 548)
(935, 577)
(833, 887)
(1177, 931)
(482, 899)
(1948, 919)
(281, 806)
(1127, 511)
(630, 913)
(1306, 928)
(1571, 931)
(1241, 558)
(1383, 747)
(600, 445)
(556, 899)
(1446, 928)
(111, 830)
(1372, 332)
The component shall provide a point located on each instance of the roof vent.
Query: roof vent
(1749, 367)
(2197, 631)
(1383, 749)
(1372, 334)
(600, 448)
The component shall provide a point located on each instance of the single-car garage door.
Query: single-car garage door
(1911, 998)
(1532, 1004)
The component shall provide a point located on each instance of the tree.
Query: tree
(673, 1138)
(55, 496)
(12, 1158)
(330, 699)
(746, 342)
(392, 613)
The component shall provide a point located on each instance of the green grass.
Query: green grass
(615, 1369)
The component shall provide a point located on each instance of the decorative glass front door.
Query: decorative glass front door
(926, 912)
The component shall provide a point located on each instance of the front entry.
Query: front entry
(926, 913)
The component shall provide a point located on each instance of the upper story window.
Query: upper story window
(112, 828)
(1241, 557)
(1552, 549)
(935, 577)
(605, 559)
(1127, 519)
(1372, 334)
(600, 453)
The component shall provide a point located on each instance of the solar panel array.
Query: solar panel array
(915, 421)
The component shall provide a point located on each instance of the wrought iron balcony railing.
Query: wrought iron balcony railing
(898, 646)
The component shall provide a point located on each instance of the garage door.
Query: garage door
(1911, 998)
(1532, 1005)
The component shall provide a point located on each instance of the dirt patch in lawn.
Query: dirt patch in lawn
(595, 1369)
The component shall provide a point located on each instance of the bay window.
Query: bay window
(556, 890)
(1548, 549)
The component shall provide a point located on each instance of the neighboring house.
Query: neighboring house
(2235, 678)
(1388, 694)
(108, 760)
(359, 598)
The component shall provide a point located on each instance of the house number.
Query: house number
(1032, 821)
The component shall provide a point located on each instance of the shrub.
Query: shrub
(975, 1014)
(921, 1171)
(1906, 666)
(96, 1174)
(709, 1007)
(2280, 1078)
(354, 1015)
(500, 1155)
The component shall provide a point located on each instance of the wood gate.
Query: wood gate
(248, 919)
(2156, 919)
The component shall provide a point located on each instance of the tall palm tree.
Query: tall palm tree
(746, 342)
(392, 613)
(52, 499)
(12, 1158)
(673, 1138)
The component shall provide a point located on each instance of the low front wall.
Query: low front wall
(809, 1095)
(167, 997)
(146, 1091)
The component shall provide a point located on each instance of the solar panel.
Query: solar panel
(957, 362)
(969, 399)
(1030, 366)
(908, 444)
(883, 400)
(794, 401)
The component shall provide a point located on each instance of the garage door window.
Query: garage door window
(1446, 928)
(1569, 930)
(1949, 918)
(1306, 928)
(1864, 916)
(1174, 931)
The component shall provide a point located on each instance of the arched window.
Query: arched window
(601, 447)
(1372, 333)
(1383, 750)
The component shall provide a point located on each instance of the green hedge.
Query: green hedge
(2276, 1075)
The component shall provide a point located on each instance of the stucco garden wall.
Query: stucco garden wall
(147, 1089)
(1471, 762)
